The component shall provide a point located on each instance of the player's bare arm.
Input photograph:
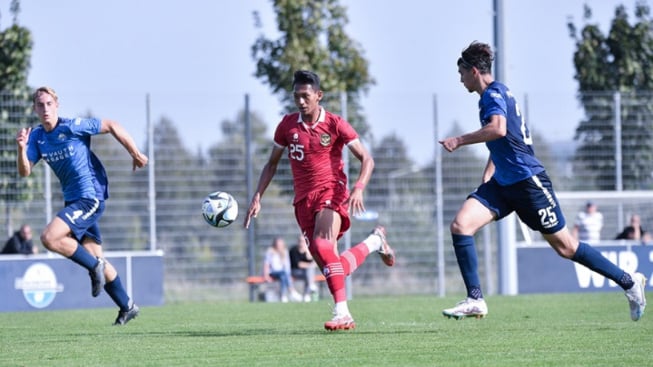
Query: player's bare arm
(493, 130)
(123, 137)
(356, 204)
(268, 172)
(24, 165)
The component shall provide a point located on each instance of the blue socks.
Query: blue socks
(114, 288)
(588, 256)
(468, 262)
(117, 293)
(84, 258)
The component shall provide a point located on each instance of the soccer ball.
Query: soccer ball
(219, 209)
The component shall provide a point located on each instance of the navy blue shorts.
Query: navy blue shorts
(82, 216)
(532, 199)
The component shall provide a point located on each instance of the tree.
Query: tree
(313, 37)
(617, 62)
(15, 108)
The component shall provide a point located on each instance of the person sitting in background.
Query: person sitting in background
(20, 242)
(303, 266)
(276, 266)
(634, 231)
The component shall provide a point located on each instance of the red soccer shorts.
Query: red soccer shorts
(334, 198)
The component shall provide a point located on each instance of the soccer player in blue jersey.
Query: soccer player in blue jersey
(65, 145)
(514, 180)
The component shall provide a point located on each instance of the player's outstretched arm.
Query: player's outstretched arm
(267, 174)
(123, 137)
(23, 164)
(493, 130)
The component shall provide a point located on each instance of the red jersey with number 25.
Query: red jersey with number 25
(315, 151)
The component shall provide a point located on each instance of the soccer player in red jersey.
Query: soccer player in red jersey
(315, 139)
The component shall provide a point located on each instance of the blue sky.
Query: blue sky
(193, 58)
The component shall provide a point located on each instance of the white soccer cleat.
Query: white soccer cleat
(636, 296)
(340, 322)
(385, 251)
(468, 307)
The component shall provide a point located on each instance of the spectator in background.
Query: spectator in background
(634, 231)
(303, 266)
(276, 266)
(589, 224)
(20, 242)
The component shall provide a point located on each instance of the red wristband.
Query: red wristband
(359, 185)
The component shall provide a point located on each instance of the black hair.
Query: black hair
(478, 55)
(306, 77)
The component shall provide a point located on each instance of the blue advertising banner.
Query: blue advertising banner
(51, 282)
(541, 270)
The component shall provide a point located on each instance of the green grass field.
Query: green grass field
(541, 330)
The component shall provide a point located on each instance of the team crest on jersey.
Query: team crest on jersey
(61, 136)
(325, 140)
(295, 137)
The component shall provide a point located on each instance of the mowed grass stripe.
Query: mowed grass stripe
(591, 329)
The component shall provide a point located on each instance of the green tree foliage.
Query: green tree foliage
(313, 37)
(15, 53)
(15, 107)
(617, 62)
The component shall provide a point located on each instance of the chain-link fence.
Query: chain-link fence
(159, 208)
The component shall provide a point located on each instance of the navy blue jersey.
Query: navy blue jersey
(67, 150)
(512, 155)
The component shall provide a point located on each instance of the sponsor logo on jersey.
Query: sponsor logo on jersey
(58, 155)
(325, 140)
(39, 285)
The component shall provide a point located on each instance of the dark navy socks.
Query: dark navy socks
(463, 246)
(588, 256)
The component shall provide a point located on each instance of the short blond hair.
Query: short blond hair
(46, 90)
